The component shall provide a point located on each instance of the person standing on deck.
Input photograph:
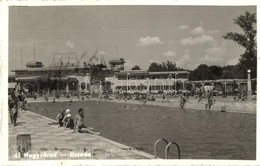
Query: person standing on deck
(13, 107)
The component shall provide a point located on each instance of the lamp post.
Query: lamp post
(249, 88)
(73, 88)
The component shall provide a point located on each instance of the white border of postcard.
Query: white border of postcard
(4, 4)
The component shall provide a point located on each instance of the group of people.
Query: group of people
(65, 119)
(209, 95)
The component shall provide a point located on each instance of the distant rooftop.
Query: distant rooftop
(116, 60)
(34, 64)
(51, 68)
(144, 72)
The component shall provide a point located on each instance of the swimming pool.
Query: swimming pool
(200, 134)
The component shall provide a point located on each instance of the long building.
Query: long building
(96, 76)
(136, 80)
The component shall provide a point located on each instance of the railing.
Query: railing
(155, 145)
(166, 148)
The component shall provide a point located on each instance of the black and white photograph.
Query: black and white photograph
(132, 82)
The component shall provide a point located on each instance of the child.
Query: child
(60, 117)
(67, 120)
(79, 122)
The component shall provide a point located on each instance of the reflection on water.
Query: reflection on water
(200, 134)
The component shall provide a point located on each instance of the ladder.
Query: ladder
(166, 152)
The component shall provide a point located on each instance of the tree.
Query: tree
(231, 72)
(172, 66)
(136, 67)
(247, 40)
(165, 66)
(154, 66)
(202, 72)
(215, 72)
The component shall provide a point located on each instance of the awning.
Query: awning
(30, 78)
(62, 79)
(68, 78)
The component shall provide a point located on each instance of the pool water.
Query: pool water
(200, 134)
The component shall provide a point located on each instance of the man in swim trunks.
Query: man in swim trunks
(79, 122)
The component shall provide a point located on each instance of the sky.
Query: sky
(186, 35)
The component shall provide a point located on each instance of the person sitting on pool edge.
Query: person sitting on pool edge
(79, 123)
(68, 120)
(60, 117)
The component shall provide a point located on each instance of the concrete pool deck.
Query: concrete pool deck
(48, 139)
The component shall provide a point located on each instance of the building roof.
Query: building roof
(135, 72)
(116, 60)
(169, 72)
(143, 72)
(50, 68)
(34, 64)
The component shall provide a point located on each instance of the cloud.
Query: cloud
(233, 61)
(69, 43)
(213, 32)
(184, 60)
(183, 27)
(212, 59)
(218, 50)
(201, 23)
(197, 31)
(214, 55)
(197, 40)
(153, 61)
(169, 53)
(148, 41)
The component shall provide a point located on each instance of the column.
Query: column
(67, 87)
(176, 74)
(38, 87)
(203, 83)
(225, 86)
(238, 85)
(213, 85)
